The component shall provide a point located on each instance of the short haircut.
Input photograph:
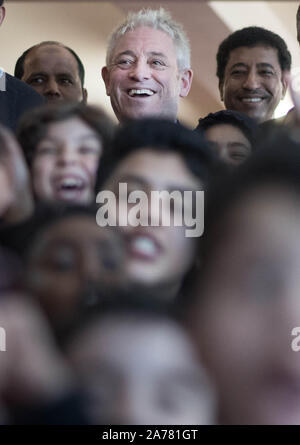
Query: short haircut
(19, 68)
(1, 2)
(251, 37)
(156, 19)
(159, 135)
(240, 120)
(33, 125)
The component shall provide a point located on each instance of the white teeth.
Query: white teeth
(144, 245)
(252, 99)
(71, 182)
(144, 91)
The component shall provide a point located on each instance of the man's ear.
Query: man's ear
(186, 82)
(221, 91)
(2, 14)
(105, 77)
(84, 95)
(285, 82)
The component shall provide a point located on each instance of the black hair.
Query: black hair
(240, 120)
(160, 135)
(19, 67)
(33, 125)
(250, 37)
(20, 237)
(133, 305)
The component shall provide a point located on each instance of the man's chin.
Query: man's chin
(143, 114)
(136, 115)
(256, 114)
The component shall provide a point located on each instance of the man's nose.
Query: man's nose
(252, 81)
(52, 89)
(140, 71)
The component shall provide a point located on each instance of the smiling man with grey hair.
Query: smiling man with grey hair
(147, 66)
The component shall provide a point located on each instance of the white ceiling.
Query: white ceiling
(85, 25)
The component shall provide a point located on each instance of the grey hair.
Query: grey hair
(158, 19)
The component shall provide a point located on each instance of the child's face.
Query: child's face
(248, 305)
(72, 259)
(155, 254)
(140, 372)
(229, 143)
(65, 162)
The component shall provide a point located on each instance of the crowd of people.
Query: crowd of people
(117, 311)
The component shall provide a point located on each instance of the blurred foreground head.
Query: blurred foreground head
(156, 156)
(16, 202)
(137, 366)
(71, 262)
(247, 299)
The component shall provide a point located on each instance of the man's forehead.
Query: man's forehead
(42, 54)
(254, 54)
(146, 39)
(49, 58)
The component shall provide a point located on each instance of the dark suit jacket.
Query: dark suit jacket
(17, 98)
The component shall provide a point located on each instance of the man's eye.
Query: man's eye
(124, 63)
(37, 80)
(238, 73)
(158, 63)
(66, 81)
(266, 73)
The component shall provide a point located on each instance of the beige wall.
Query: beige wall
(85, 25)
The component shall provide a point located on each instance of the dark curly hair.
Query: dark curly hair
(34, 124)
(160, 135)
(240, 120)
(250, 37)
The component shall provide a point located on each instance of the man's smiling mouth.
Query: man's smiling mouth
(251, 100)
(141, 92)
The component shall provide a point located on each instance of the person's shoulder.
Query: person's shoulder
(16, 98)
(287, 119)
(22, 90)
